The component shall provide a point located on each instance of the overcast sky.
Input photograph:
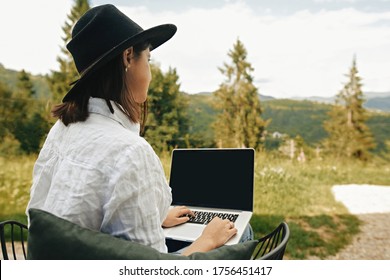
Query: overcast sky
(297, 48)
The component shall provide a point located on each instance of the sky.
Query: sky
(298, 48)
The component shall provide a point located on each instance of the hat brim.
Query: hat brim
(155, 36)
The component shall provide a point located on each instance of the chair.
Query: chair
(273, 245)
(17, 235)
(270, 247)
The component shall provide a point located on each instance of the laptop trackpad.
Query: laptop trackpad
(190, 231)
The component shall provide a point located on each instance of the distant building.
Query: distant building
(277, 135)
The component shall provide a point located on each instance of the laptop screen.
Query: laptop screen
(216, 178)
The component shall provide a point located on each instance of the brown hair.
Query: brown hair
(107, 82)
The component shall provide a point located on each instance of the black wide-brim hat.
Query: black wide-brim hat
(104, 32)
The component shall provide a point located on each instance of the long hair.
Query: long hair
(107, 83)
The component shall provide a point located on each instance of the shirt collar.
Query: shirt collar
(99, 106)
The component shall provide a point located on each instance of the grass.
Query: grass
(285, 190)
(15, 183)
(300, 193)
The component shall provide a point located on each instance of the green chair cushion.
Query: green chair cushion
(51, 237)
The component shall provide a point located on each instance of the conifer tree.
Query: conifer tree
(21, 97)
(60, 81)
(5, 112)
(349, 136)
(167, 123)
(239, 124)
(27, 123)
(25, 85)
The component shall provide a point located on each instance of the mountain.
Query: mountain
(303, 118)
(266, 97)
(297, 117)
(293, 117)
(327, 100)
(9, 78)
(377, 101)
(373, 94)
(261, 96)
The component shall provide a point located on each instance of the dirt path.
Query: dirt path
(371, 204)
(18, 251)
(372, 243)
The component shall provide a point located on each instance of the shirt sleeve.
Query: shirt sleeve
(140, 198)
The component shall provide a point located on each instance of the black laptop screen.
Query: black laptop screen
(217, 178)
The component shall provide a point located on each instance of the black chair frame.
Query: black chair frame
(18, 233)
(273, 245)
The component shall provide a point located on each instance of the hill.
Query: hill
(291, 117)
(201, 116)
(377, 101)
(10, 78)
(302, 118)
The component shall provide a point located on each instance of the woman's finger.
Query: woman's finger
(186, 211)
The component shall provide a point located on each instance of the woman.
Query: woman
(94, 169)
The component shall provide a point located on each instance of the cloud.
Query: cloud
(300, 54)
(306, 53)
(31, 33)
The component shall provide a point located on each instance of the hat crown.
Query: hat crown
(104, 32)
(98, 32)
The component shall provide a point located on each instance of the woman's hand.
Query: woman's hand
(176, 216)
(219, 231)
(215, 234)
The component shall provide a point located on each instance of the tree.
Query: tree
(349, 136)
(24, 85)
(167, 123)
(19, 100)
(386, 153)
(22, 122)
(5, 112)
(239, 124)
(28, 124)
(59, 81)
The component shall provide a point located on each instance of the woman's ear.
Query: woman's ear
(127, 55)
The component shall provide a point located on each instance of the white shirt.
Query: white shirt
(100, 174)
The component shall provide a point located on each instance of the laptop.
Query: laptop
(217, 181)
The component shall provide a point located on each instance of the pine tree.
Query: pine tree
(167, 123)
(27, 124)
(25, 85)
(60, 81)
(5, 112)
(239, 124)
(349, 136)
(22, 97)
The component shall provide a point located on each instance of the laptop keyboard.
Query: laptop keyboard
(204, 218)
